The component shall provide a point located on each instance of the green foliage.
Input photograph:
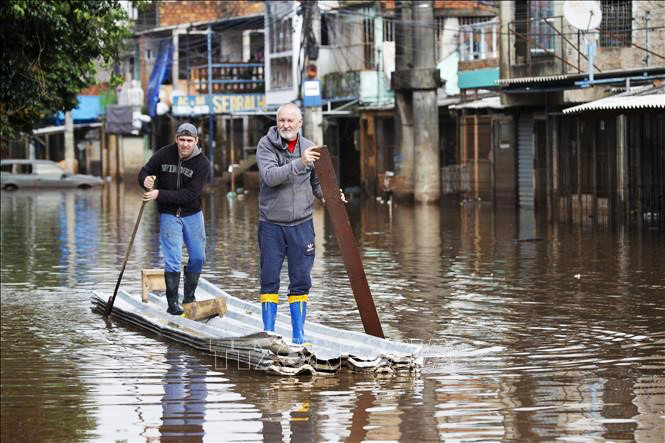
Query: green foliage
(50, 52)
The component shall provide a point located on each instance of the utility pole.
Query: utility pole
(415, 81)
(313, 117)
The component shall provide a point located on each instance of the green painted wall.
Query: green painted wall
(479, 78)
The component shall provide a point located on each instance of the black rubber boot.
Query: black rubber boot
(191, 281)
(172, 282)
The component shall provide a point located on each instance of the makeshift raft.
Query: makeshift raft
(238, 337)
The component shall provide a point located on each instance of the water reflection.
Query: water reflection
(534, 331)
(183, 403)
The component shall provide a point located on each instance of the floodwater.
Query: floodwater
(532, 331)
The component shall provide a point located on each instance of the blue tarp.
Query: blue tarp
(88, 110)
(162, 66)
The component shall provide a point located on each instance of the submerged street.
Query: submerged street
(532, 331)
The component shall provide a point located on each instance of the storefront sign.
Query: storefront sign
(312, 93)
(188, 105)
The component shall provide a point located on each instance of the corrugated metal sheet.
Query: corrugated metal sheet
(535, 79)
(638, 98)
(239, 336)
(635, 73)
(487, 102)
(525, 161)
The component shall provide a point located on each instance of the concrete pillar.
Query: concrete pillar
(113, 156)
(313, 124)
(427, 180)
(313, 117)
(403, 103)
(70, 158)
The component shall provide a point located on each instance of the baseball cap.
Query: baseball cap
(187, 129)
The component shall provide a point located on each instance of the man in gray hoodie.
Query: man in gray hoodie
(286, 197)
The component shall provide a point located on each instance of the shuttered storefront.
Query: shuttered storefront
(525, 183)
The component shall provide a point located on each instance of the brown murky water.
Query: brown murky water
(556, 339)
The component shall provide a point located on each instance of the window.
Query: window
(616, 26)
(17, 168)
(542, 34)
(505, 134)
(388, 29)
(326, 35)
(438, 34)
(190, 53)
(281, 36)
(368, 39)
(148, 17)
(479, 40)
(280, 73)
(48, 169)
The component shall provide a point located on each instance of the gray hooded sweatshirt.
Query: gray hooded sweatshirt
(288, 187)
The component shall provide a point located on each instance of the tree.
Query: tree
(50, 52)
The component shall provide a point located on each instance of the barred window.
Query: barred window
(438, 34)
(368, 39)
(281, 74)
(540, 31)
(326, 30)
(616, 26)
(281, 36)
(388, 29)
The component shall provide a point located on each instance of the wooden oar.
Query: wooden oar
(109, 305)
(347, 244)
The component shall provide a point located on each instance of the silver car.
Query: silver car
(22, 173)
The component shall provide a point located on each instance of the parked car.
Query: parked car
(15, 174)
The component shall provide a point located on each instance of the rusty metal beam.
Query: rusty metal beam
(347, 244)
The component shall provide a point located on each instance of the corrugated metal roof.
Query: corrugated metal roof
(239, 336)
(633, 73)
(643, 97)
(486, 102)
(535, 79)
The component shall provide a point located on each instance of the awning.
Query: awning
(487, 102)
(643, 97)
(61, 128)
(570, 80)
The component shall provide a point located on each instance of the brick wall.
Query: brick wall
(472, 65)
(469, 7)
(182, 11)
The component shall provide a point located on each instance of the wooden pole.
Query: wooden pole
(347, 244)
(233, 156)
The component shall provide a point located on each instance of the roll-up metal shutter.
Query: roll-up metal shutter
(525, 183)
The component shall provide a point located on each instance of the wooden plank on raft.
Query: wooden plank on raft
(347, 244)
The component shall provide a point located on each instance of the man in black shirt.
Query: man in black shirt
(180, 170)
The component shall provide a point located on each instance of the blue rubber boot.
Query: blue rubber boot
(269, 311)
(298, 307)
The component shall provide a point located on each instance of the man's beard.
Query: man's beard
(288, 134)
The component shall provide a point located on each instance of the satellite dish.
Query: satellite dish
(584, 15)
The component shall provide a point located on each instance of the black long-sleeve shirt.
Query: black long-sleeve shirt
(179, 181)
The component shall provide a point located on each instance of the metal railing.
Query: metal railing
(537, 41)
(228, 78)
(479, 41)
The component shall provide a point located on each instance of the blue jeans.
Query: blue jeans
(173, 231)
(296, 243)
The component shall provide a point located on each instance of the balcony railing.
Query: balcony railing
(228, 78)
(479, 41)
(539, 47)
